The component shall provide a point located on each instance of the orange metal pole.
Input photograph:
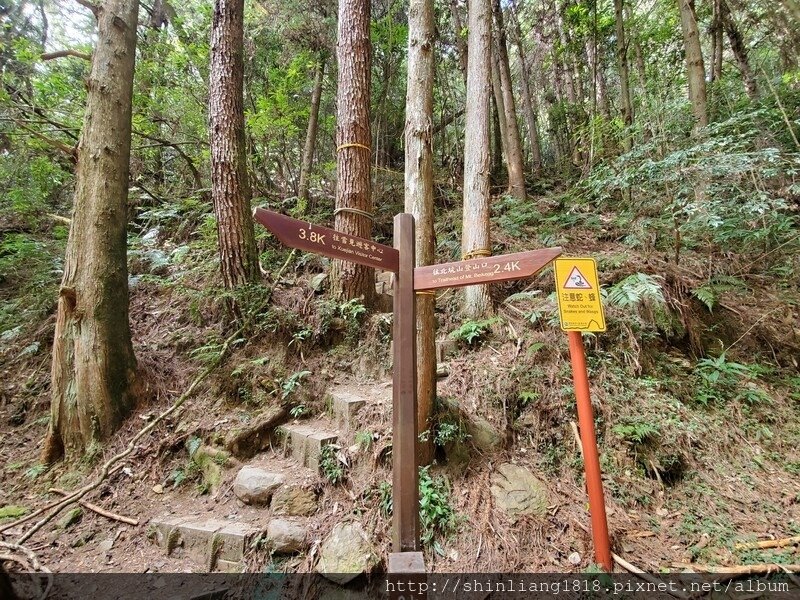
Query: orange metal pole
(591, 460)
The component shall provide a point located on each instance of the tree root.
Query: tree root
(28, 561)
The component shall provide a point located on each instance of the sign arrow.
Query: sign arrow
(483, 270)
(328, 242)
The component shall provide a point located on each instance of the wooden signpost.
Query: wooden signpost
(400, 260)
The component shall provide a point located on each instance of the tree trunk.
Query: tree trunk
(475, 238)
(230, 186)
(716, 41)
(516, 172)
(500, 130)
(419, 200)
(311, 137)
(94, 367)
(739, 50)
(624, 80)
(529, 103)
(353, 199)
(695, 69)
(461, 45)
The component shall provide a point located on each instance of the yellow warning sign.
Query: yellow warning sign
(578, 292)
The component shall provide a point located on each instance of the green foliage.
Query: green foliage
(710, 292)
(385, 493)
(449, 431)
(474, 331)
(437, 516)
(364, 439)
(636, 289)
(721, 380)
(331, 465)
(637, 431)
(291, 383)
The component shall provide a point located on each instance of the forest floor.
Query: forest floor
(697, 455)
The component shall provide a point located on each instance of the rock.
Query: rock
(254, 485)
(482, 434)
(248, 441)
(294, 499)
(346, 553)
(519, 492)
(158, 488)
(574, 559)
(70, 518)
(286, 536)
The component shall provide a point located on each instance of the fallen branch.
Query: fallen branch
(63, 53)
(55, 217)
(100, 511)
(646, 576)
(105, 470)
(763, 569)
(790, 541)
(31, 564)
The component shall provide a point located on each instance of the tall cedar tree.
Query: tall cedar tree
(624, 79)
(311, 136)
(353, 214)
(516, 172)
(230, 187)
(475, 238)
(94, 367)
(695, 69)
(419, 198)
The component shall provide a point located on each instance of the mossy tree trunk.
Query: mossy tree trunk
(94, 367)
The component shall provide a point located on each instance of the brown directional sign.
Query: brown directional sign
(483, 270)
(321, 240)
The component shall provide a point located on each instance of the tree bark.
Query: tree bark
(475, 238)
(696, 73)
(311, 137)
(716, 41)
(516, 172)
(230, 186)
(739, 50)
(500, 130)
(349, 280)
(624, 79)
(529, 103)
(94, 367)
(461, 45)
(419, 200)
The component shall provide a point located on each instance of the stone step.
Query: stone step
(218, 544)
(346, 406)
(306, 442)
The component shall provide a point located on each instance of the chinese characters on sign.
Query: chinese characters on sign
(578, 292)
(483, 270)
(329, 242)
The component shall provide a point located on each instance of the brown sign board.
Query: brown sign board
(328, 242)
(490, 269)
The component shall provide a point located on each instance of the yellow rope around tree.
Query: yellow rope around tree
(355, 211)
(477, 253)
(353, 145)
(426, 293)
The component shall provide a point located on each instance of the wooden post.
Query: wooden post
(591, 460)
(405, 476)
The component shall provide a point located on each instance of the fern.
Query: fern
(636, 289)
